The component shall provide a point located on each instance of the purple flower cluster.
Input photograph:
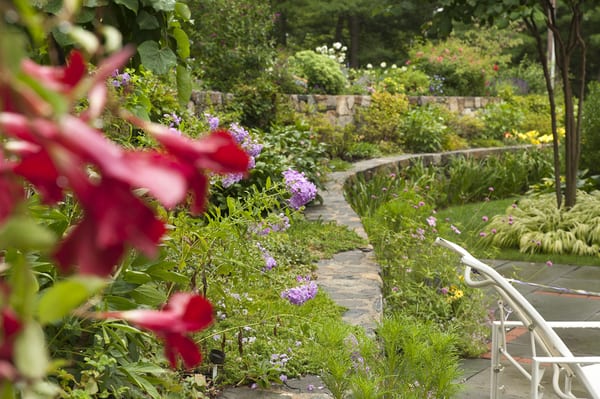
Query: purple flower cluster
(174, 121)
(270, 261)
(243, 138)
(213, 121)
(302, 293)
(303, 191)
(120, 79)
(266, 227)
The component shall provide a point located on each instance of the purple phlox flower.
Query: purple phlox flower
(175, 120)
(431, 221)
(549, 263)
(120, 79)
(421, 203)
(490, 189)
(419, 234)
(300, 294)
(283, 378)
(279, 359)
(248, 143)
(265, 227)
(231, 178)
(238, 132)
(213, 121)
(455, 229)
(444, 290)
(253, 385)
(482, 234)
(484, 218)
(493, 231)
(310, 387)
(270, 262)
(302, 190)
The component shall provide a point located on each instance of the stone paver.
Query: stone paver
(352, 279)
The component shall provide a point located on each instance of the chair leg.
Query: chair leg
(496, 368)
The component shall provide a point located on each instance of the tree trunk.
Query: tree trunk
(532, 26)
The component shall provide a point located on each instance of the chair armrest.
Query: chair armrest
(554, 324)
(567, 359)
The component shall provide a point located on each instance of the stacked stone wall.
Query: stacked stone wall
(340, 110)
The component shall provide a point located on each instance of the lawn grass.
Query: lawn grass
(469, 220)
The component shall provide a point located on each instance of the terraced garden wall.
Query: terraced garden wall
(340, 110)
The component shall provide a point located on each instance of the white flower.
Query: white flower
(337, 45)
(383, 64)
(394, 66)
(369, 66)
(344, 48)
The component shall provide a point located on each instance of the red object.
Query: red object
(184, 313)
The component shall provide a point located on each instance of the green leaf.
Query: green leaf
(143, 383)
(148, 295)
(162, 272)
(59, 300)
(147, 21)
(135, 277)
(23, 283)
(163, 5)
(133, 5)
(183, 11)
(183, 43)
(31, 354)
(24, 233)
(184, 85)
(157, 60)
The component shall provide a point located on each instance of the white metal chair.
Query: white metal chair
(552, 349)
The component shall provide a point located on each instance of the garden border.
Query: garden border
(352, 278)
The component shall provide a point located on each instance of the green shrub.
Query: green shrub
(381, 120)
(590, 130)
(424, 129)
(468, 127)
(526, 78)
(502, 119)
(407, 80)
(256, 102)
(322, 73)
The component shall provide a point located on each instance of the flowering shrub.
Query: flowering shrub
(58, 150)
(301, 189)
(456, 67)
(336, 52)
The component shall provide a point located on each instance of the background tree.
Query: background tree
(541, 18)
(374, 31)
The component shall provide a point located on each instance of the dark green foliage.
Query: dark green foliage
(232, 41)
(590, 130)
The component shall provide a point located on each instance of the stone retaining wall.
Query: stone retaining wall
(340, 110)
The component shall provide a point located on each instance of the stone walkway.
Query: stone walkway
(352, 280)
